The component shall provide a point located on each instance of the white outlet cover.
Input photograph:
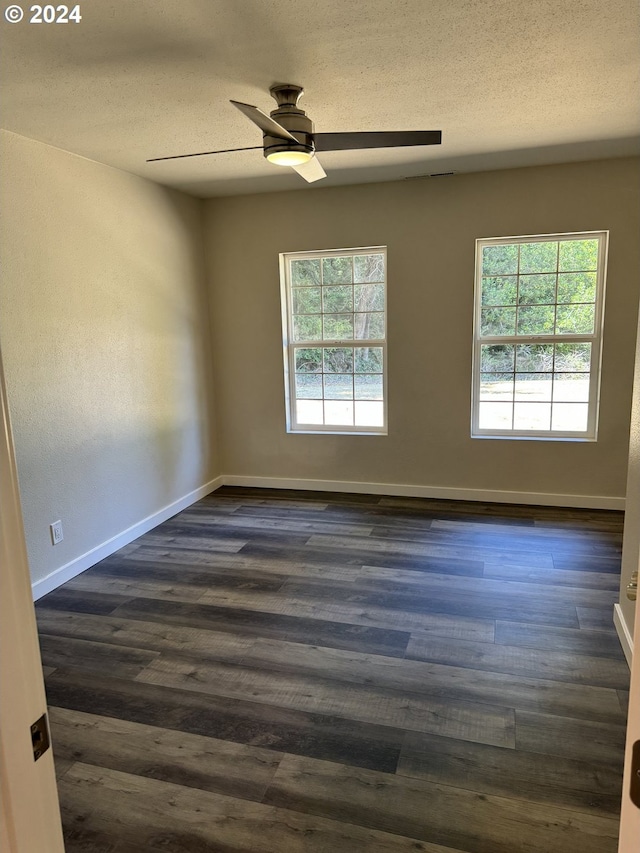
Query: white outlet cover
(56, 532)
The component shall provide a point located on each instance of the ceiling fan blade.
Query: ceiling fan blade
(264, 122)
(311, 171)
(204, 153)
(375, 139)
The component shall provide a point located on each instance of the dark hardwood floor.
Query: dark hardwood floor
(297, 672)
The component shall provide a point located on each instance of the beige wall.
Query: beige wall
(429, 227)
(104, 326)
(105, 336)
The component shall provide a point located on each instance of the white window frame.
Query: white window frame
(595, 339)
(289, 346)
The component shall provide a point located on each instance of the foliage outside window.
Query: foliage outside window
(334, 325)
(538, 330)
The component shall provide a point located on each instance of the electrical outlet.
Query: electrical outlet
(56, 532)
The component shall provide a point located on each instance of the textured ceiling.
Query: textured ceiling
(509, 83)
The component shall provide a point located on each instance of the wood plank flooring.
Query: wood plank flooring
(302, 672)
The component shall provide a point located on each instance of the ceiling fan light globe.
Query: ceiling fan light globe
(289, 158)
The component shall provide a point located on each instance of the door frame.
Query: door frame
(29, 805)
(630, 814)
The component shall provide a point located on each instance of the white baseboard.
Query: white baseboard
(624, 634)
(90, 558)
(445, 492)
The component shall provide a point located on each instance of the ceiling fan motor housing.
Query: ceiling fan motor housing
(292, 118)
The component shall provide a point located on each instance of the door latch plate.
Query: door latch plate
(40, 737)
(634, 787)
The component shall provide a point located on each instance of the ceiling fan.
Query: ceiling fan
(289, 139)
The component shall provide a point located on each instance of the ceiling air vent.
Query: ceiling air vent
(430, 175)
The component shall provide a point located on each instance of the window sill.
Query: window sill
(571, 438)
(334, 432)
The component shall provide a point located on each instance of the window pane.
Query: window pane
(496, 386)
(308, 386)
(369, 326)
(309, 412)
(305, 272)
(307, 327)
(494, 358)
(499, 290)
(309, 360)
(369, 414)
(338, 327)
(369, 297)
(338, 360)
(368, 386)
(368, 268)
(336, 299)
(570, 417)
(338, 413)
(369, 359)
(556, 298)
(306, 300)
(537, 358)
(573, 357)
(578, 255)
(499, 260)
(533, 387)
(498, 321)
(495, 416)
(571, 388)
(535, 319)
(538, 257)
(338, 386)
(575, 319)
(534, 289)
(577, 287)
(532, 416)
(337, 271)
